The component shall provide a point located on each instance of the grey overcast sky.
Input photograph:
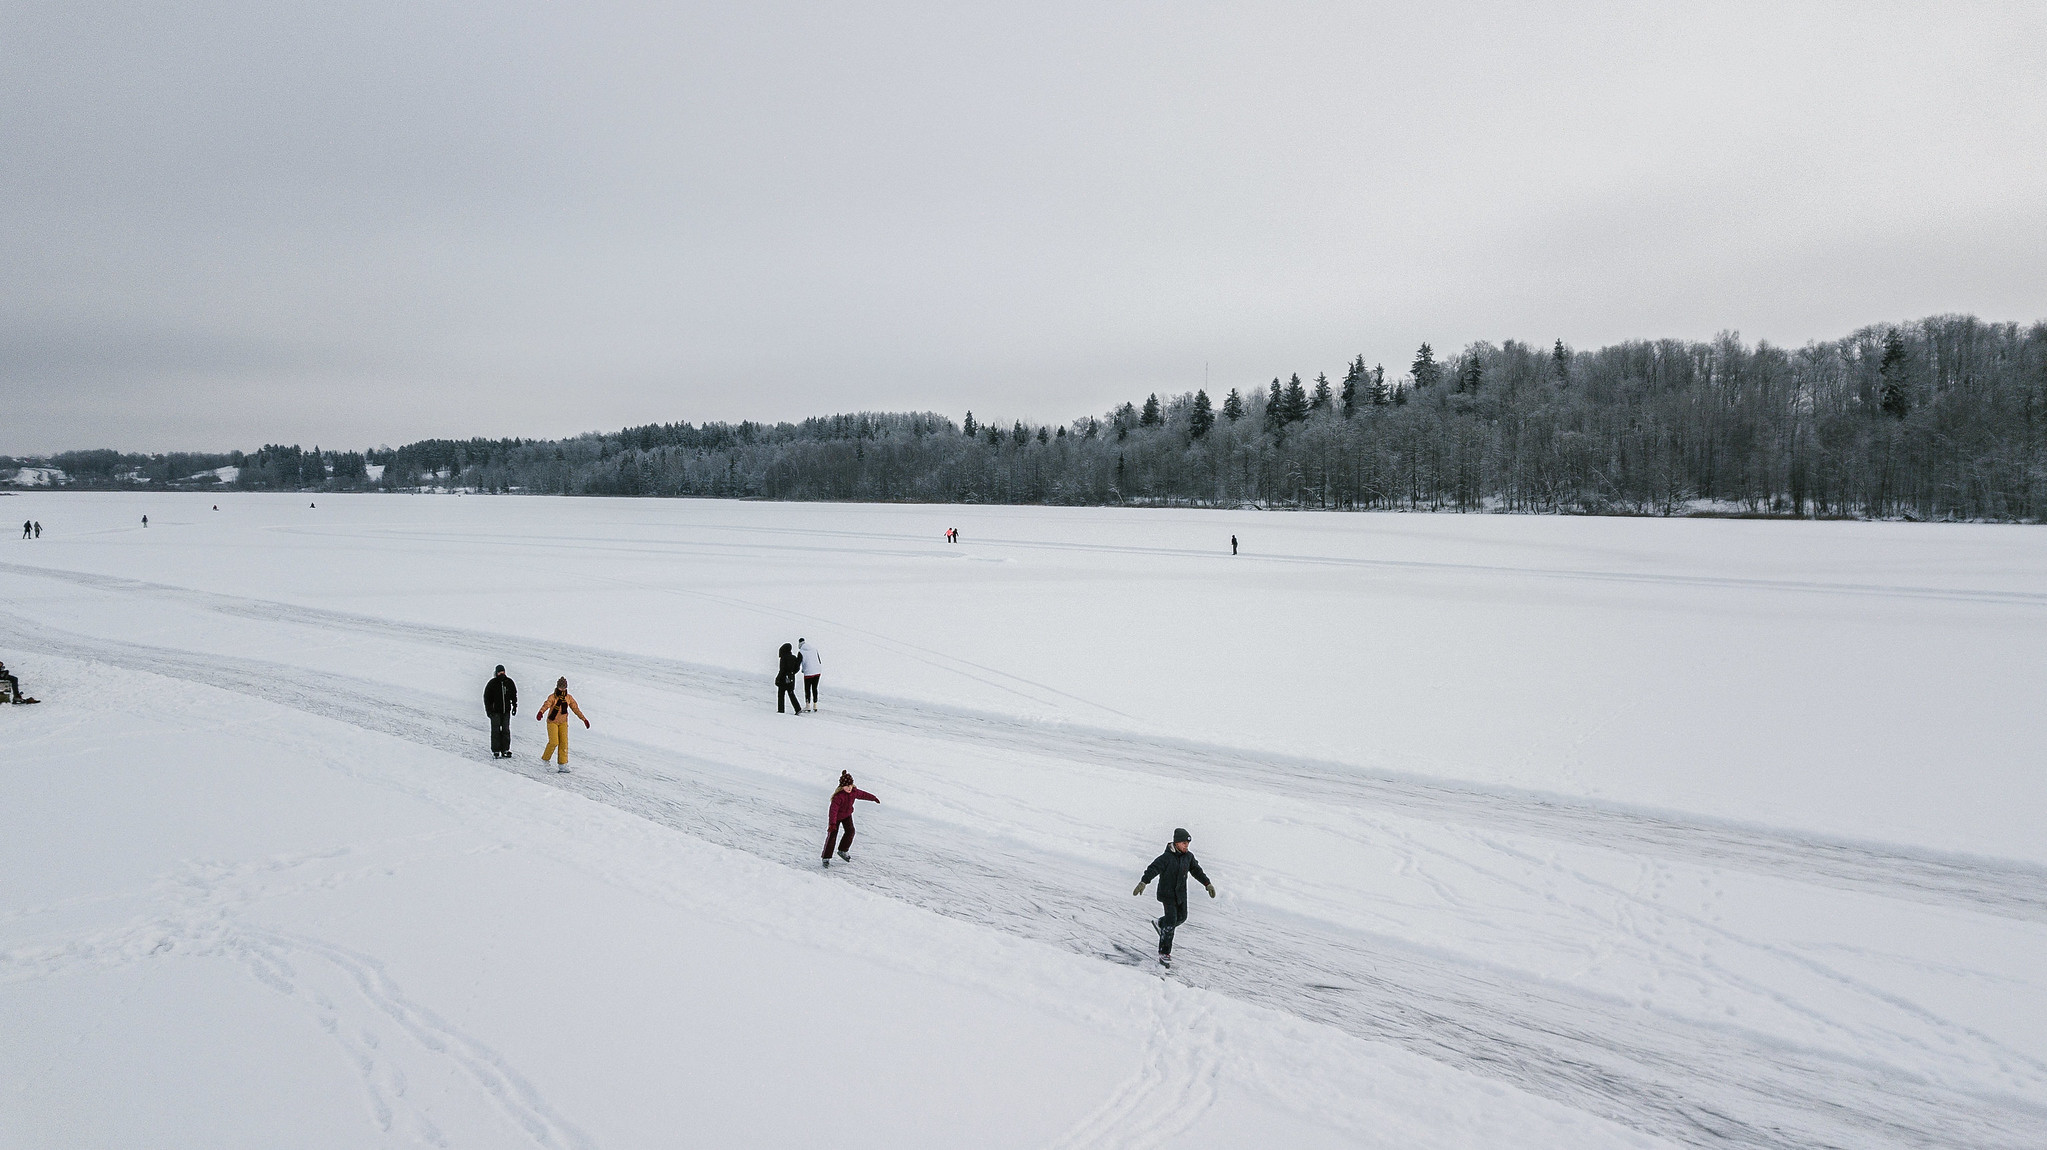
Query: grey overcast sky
(228, 224)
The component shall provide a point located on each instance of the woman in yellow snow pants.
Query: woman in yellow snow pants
(555, 713)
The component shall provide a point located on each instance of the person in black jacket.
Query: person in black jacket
(1172, 869)
(501, 702)
(785, 680)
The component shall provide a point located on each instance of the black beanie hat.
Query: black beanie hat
(845, 778)
(1180, 835)
(501, 668)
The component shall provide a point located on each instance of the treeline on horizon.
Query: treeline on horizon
(1945, 418)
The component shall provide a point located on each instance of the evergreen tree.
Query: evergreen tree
(1353, 376)
(1472, 375)
(1233, 406)
(968, 427)
(1560, 361)
(994, 436)
(1150, 416)
(1379, 395)
(1296, 408)
(1894, 400)
(1322, 400)
(1275, 408)
(1018, 435)
(1425, 370)
(1203, 417)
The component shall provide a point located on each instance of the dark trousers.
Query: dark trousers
(500, 733)
(1175, 914)
(810, 688)
(13, 685)
(832, 841)
(784, 689)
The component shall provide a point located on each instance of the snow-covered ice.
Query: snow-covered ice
(1529, 832)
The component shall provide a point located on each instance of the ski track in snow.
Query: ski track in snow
(2003, 887)
(351, 997)
(1689, 1082)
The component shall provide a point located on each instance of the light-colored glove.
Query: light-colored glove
(1211, 890)
(1139, 890)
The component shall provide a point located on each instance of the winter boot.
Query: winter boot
(843, 856)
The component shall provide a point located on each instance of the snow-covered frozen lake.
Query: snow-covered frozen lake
(1527, 831)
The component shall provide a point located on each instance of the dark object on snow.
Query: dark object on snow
(1233, 545)
(10, 688)
(501, 702)
(1171, 870)
(842, 815)
(785, 680)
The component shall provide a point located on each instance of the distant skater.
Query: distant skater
(39, 529)
(1233, 545)
(556, 713)
(813, 670)
(1172, 869)
(785, 680)
(501, 702)
(842, 816)
(145, 521)
(14, 694)
(26, 527)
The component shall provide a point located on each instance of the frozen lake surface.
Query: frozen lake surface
(1528, 831)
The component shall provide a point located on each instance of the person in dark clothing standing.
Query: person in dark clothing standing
(25, 525)
(1172, 869)
(842, 816)
(39, 529)
(501, 702)
(785, 680)
(1233, 545)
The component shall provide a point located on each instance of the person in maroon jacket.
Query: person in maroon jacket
(842, 816)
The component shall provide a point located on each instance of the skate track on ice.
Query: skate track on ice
(1692, 1083)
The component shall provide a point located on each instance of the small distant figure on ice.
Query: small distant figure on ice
(145, 521)
(11, 687)
(1172, 869)
(952, 535)
(26, 527)
(1233, 545)
(813, 670)
(785, 680)
(842, 816)
(556, 712)
(501, 702)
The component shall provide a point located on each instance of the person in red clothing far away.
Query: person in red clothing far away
(842, 816)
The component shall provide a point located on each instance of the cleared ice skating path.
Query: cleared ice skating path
(1698, 1084)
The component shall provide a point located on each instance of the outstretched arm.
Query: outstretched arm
(578, 710)
(1197, 872)
(860, 794)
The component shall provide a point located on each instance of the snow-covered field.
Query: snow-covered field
(1528, 832)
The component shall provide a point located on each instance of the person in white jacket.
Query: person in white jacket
(813, 670)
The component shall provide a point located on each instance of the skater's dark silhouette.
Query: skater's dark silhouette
(556, 713)
(26, 527)
(1233, 545)
(145, 521)
(13, 687)
(1172, 869)
(842, 816)
(785, 680)
(501, 702)
(39, 529)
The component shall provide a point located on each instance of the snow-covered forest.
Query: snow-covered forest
(1945, 418)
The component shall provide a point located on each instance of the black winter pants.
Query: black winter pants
(785, 689)
(810, 688)
(1175, 914)
(832, 841)
(14, 684)
(500, 733)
